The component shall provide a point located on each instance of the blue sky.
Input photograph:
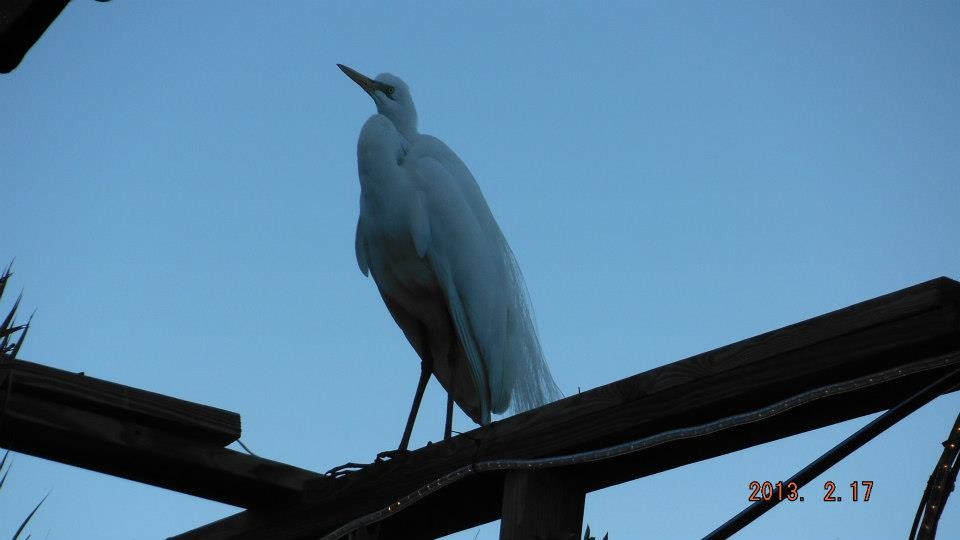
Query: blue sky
(180, 192)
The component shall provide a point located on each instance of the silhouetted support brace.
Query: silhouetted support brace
(540, 504)
(448, 425)
(840, 451)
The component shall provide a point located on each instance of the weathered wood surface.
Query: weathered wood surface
(138, 435)
(898, 329)
(199, 422)
(540, 504)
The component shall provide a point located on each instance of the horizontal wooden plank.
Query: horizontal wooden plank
(138, 435)
(201, 423)
(896, 330)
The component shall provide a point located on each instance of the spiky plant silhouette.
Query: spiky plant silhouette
(586, 535)
(11, 338)
(11, 334)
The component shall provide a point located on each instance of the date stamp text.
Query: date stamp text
(856, 491)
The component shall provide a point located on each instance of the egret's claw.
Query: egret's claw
(387, 455)
(346, 468)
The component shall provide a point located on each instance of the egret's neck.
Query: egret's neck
(405, 123)
(381, 150)
(403, 115)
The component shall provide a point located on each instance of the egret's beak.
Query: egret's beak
(369, 85)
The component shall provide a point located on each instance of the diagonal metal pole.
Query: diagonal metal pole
(840, 451)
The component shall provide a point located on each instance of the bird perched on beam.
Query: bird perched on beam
(443, 267)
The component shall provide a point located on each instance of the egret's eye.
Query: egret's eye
(388, 90)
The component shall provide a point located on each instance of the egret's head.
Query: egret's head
(392, 97)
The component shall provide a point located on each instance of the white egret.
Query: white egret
(443, 267)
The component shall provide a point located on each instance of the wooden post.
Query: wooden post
(541, 505)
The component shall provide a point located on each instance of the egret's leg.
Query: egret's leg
(425, 373)
(448, 428)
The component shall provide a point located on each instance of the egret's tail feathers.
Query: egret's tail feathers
(533, 385)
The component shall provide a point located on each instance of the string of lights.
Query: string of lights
(940, 362)
(941, 483)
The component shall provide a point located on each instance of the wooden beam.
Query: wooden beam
(541, 504)
(901, 330)
(201, 423)
(22, 22)
(138, 435)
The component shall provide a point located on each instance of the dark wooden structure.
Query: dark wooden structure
(139, 435)
(913, 334)
(22, 22)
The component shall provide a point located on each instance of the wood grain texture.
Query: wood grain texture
(541, 504)
(898, 329)
(199, 422)
(138, 435)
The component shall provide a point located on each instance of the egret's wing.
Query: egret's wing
(461, 321)
(465, 181)
(464, 256)
(452, 370)
(503, 320)
(360, 246)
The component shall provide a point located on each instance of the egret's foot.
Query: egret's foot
(346, 468)
(387, 455)
(351, 467)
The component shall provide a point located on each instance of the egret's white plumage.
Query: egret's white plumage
(442, 265)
